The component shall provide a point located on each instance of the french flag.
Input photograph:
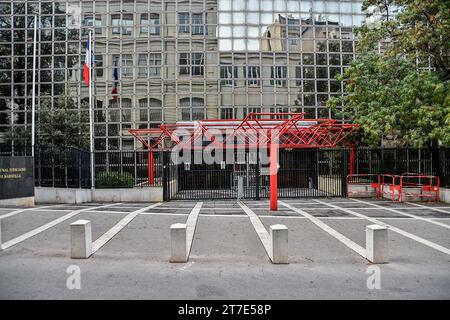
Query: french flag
(87, 62)
(115, 91)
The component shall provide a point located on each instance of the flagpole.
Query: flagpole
(91, 124)
(33, 90)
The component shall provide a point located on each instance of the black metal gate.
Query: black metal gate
(302, 173)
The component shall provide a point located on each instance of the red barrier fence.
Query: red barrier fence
(398, 188)
(390, 186)
(413, 187)
(363, 185)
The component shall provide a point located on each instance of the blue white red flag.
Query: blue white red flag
(87, 63)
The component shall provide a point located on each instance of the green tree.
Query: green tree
(388, 97)
(61, 125)
(388, 92)
(64, 124)
(18, 136)
(418, 30)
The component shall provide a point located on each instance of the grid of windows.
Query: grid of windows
(164, 61)
(152, 25)
(191, 63)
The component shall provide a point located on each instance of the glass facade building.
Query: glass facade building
(162, 61)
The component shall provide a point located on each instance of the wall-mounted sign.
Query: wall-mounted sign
(16, 177)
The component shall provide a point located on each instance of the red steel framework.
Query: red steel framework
(256, 130)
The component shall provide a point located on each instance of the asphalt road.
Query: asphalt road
(227, 259)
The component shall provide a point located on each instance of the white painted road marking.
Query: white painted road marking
(191, 224)
(108, 235)
(438, 209)
(269, 217)
(12, 213)
(263, 235)
(395, 229)
(175, 208)
(339, 236)
(53, 223)
(405, 214)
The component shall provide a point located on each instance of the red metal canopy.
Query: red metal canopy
(290, 130)
(260, 130)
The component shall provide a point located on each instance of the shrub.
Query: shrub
(114, 179)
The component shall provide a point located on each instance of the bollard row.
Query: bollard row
(376, 242)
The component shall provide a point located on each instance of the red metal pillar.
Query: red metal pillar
(151, 179)
(352, 159)
(273, 177)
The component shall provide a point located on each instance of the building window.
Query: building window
(279, 110)
(191, 63)
(143, 65)
(143, 111)
(144, 23)
(252, 74)
(155, 111)
(246, 111)
(126, 65)
(294, 41)
(185, 105)
(197, 23)
(226, 113)
(183, 22)
(228, 74)
(192, 109)
(155, 115)
(127, 22)
(88, 22)
(184, 63)
(155, 64)
(185, 114)
(154, 24)
(197, 64)
(197, 109)
(279, 76)
(98, 65)
(115, 23)
(122, 26)
(143, 103)
(126, 103)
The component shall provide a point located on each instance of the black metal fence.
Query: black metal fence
(404, 160)
(302, 172)
(62, 167)
(67, 167)
(127, 169)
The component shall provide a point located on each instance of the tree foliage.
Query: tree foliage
(390, 98)
(418, 30)
(64, 124)
(387, 91)
(61, 125)
(17, 136)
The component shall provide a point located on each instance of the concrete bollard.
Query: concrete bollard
(178, 240)
(279, 243)
(81, 239)
(377, 241)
